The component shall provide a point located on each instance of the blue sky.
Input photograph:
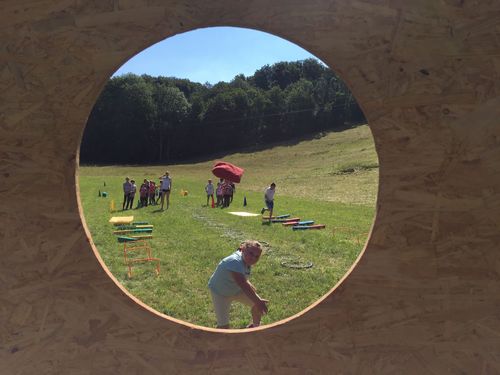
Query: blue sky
(213, 54)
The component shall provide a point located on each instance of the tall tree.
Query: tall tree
(136, 118)
(171, 108)
(301, 107)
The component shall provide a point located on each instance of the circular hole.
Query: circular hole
(291, 122)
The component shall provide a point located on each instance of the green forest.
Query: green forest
(159, 120)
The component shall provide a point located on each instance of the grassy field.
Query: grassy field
(332, 179)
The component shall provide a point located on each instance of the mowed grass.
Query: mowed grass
(332, 180)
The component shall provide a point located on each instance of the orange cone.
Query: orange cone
(213, 204)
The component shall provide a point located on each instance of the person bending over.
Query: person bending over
(230, 283)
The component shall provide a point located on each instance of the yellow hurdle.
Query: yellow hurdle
(112, 206)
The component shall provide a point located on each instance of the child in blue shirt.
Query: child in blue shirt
(230, 283)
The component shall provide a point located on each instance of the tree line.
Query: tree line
(145, 119)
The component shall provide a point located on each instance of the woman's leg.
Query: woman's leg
(163, 193)
(168, 198)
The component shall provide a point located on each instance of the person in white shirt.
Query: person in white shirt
(209, 189)
(166, 187)
(131, 196)
(126, 192)
(269, 200)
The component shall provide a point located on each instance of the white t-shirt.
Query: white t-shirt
(166, 183)
(269, 194)
(209, 189)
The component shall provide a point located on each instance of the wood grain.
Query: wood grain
(422, 298)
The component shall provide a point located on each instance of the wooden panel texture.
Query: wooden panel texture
(423, 298)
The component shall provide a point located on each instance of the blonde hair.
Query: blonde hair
(250, 243)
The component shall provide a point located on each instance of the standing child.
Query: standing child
(131, 196)
(126, 192)
(233, 187)
(152, 190)
(157, 193)
(143, 193)
(209, 189)
(227, 191)
(269, 200)
(166, 187)
(230, 283)
(218, 192)
(158, 187)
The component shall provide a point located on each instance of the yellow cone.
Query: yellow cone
(112, 205)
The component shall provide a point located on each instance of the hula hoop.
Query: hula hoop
(296, 264)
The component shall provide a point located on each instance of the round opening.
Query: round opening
(285, 119)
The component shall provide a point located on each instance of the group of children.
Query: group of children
(149, 192)
(224, 192)
(229, 282)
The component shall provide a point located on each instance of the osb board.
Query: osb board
(423, 298)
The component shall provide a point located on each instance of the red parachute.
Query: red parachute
(227, 171)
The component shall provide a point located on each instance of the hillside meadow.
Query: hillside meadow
(331, 179)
